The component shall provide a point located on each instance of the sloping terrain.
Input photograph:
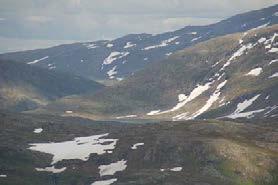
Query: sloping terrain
(231, 76)
(53, 150)
(24, 87)
(119, 58)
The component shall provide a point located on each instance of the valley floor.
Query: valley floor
(46, 150)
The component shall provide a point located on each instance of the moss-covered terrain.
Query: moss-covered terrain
(210, 152)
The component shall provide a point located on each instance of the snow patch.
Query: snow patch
(51, 66)
(195, 39)
(197, 91)
(129, 45)
(261, 40)
(153, 112)
(245, 114)
(243, 106)
(213, 98)
(273, 50)
(120, 79)
(270, 110)
(176, 169)
(162, 44)
(112, 168)
(91, 46)
(38, 130)
(182, 97)
(127, 116)
(38, 60)
(135, 146)
(274, 75)
(109, 45)
(51, 169)
(105, 182)
(237, 54)
(112, 72)
(273, 61)
(255, 72)
(3, 176)
(79, 148)
(261, 26)
(114, 56)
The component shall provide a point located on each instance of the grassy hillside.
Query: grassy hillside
(24, 87)
(209, 152)
(226, 59)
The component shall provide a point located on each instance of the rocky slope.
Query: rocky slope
(119, 58)
(232, 76)
(176, 153)
(24, 87)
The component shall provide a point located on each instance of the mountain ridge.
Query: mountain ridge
(131, 53)
(239, 66)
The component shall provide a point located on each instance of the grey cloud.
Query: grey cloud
(97, 19)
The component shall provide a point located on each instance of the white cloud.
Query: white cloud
(97, 19)
(38, 19)
(14, 44)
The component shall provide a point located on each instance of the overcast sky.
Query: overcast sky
(28, 24)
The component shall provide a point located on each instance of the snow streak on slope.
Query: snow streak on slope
(127, 116)
(274, 75)
(112, 72)
(135, 146)
(197, 91)
(105, 182)
(129, 45)
(154, 112)
(248, 114)
(51, 169)
(213, 98)
(114, 56)
(38, 60)
(273, 61)
(162, 44)
(237, 54)
(243, 106)
(91, 46)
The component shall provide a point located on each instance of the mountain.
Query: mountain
(119, 58)
(43, 149)
(25, 87)
(233, 76)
